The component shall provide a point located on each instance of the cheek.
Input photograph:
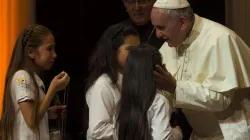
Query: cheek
(129, 9)
(43, 57)
(148, 9)
(176, 35)
(166, 33)
(173, 33)
(38, 57)
(122, 57)
(147, 12)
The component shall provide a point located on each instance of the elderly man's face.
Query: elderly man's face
(168, 29)
(139, 10)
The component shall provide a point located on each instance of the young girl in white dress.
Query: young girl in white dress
(25, 104)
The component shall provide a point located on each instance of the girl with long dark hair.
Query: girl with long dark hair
(143, 113)
(104, 82)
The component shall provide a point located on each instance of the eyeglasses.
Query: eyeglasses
(140, 2)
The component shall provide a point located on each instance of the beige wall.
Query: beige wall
(238, 18)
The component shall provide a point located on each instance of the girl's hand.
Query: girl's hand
(56, 111)
(59, 82)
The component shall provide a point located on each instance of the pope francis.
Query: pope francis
(206, 73)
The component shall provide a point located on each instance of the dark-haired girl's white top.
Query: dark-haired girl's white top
(159, 116)
(102, 98)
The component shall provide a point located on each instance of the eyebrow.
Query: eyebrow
(52, 45)
(159, 26)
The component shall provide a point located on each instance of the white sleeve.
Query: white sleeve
(101, 106)
(22, 87)
(192, 95)
(225, 69)
(160, 113)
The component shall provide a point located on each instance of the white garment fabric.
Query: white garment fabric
(212, 69)
(159, 115)
(171, 4)
(102, 99)
(22, 89)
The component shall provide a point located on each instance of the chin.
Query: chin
(47, 68)
(140, 22)
(171, 45)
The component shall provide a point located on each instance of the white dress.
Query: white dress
(21, 90)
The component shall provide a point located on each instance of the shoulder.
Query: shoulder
(159, 99)
(215, 32)
(102, 89)
(22, 73)
(22, 86)
(103, 80)
(160, 102)
(212, 36)
(103, 83)
(21, 76)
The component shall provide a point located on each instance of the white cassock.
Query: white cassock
(212, 68)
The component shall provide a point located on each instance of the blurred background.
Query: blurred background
(78, 24)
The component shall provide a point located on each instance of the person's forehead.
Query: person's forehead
(158, 17)
(48, 41)
(132, 39)
(48, 38)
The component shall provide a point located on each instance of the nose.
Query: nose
(54, 55)
(159, 33)
(137, 5)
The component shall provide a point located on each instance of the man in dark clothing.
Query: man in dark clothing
(139, 12)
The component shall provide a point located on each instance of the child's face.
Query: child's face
(45, 54)
(122, 55)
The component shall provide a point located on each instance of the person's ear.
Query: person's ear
(31, 53)
(183, 22)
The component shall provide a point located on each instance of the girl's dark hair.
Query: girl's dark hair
(31, 37)
(137, 94)
(104, 59)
